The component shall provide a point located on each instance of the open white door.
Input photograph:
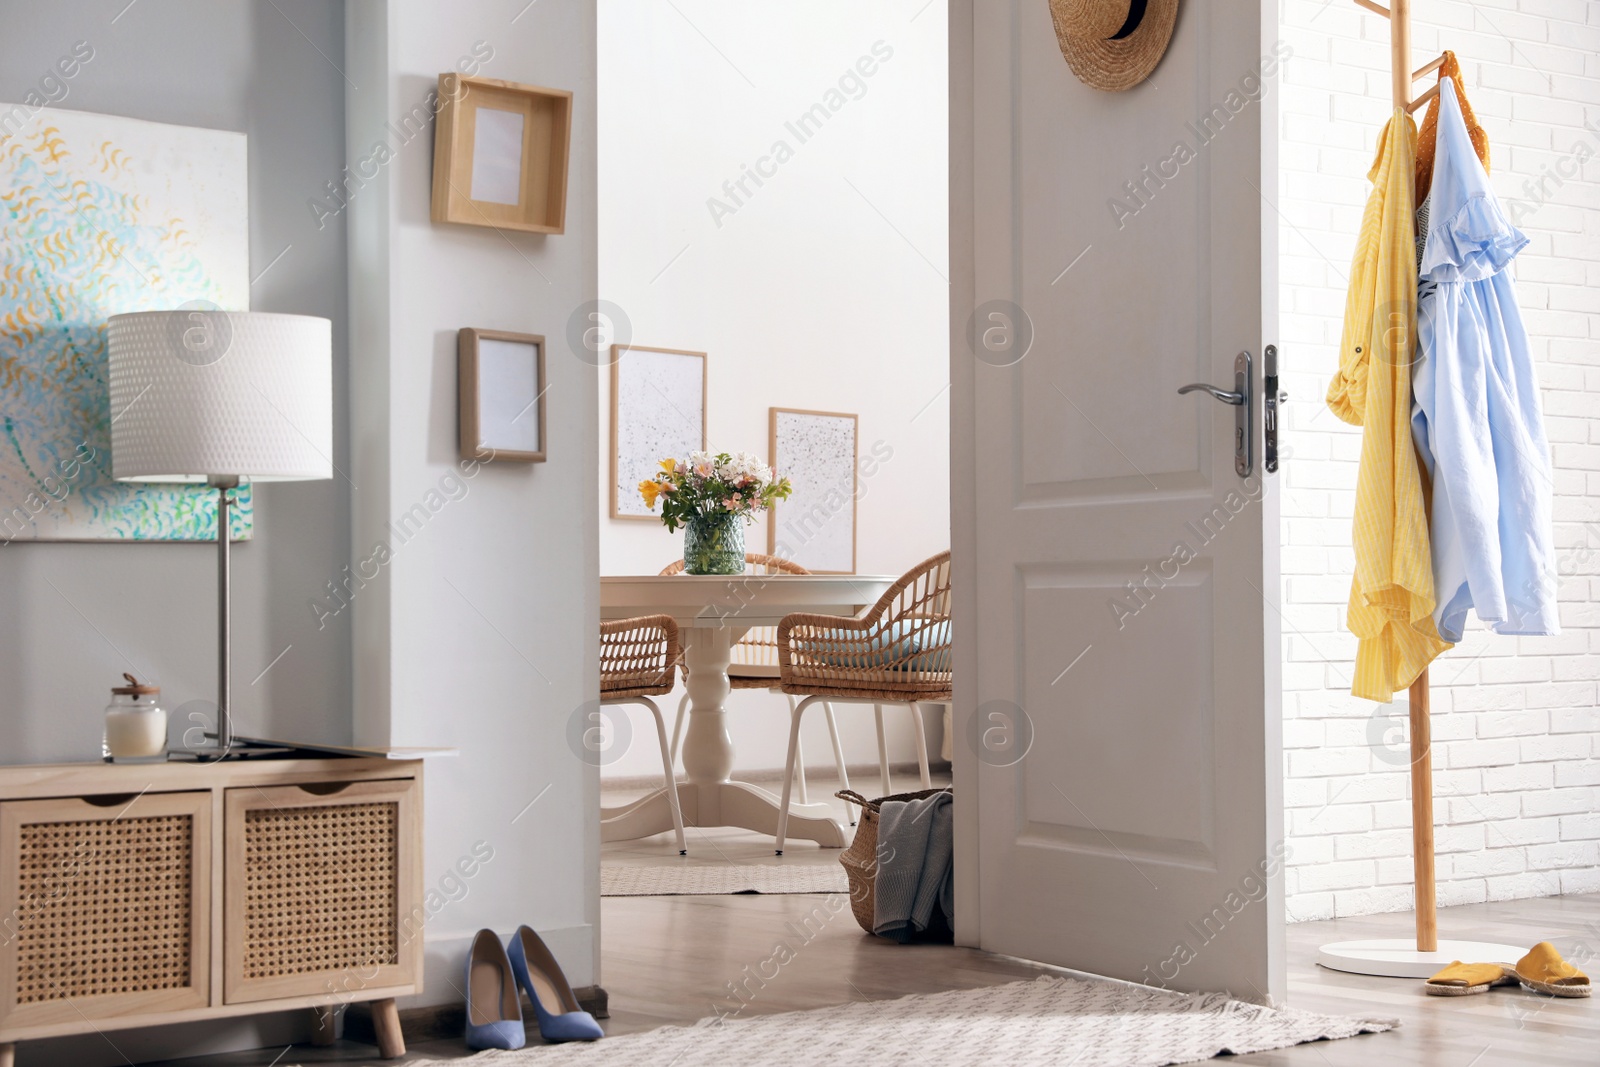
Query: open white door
(1118, 695)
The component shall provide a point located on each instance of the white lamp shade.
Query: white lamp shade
(198, 394)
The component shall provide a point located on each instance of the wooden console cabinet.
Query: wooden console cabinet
(141, 895)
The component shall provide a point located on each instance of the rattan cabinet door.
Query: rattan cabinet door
(105, 907)
(319, 886)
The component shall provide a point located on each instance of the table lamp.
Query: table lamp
(221, 397)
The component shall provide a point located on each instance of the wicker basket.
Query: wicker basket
(860, 860)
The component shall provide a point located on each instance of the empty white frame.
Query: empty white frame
(502, 386)
(816, 526)
(658, 410)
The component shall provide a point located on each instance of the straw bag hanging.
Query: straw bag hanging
(860, 860)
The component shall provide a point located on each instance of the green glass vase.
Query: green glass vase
(713, 544)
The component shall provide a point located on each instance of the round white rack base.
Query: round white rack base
(1399, 958)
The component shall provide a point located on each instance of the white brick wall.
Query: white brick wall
(1515, 726)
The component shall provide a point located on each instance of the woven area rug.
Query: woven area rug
(1049, 1021)
(721, 879)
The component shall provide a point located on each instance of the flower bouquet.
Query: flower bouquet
(712, 497)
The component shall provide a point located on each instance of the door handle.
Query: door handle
(1243, 416)
(1221, 394)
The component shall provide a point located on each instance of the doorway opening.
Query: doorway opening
(773, 251)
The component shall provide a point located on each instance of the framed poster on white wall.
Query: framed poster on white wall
(658, 410)
(816, 526)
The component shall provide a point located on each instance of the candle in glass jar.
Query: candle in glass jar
(136, 724)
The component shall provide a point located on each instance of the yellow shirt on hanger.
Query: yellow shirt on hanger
(1391, 596)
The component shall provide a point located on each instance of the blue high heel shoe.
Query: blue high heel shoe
(538, 973)
(494, 1010)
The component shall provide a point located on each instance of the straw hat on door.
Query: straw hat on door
(1113, 44)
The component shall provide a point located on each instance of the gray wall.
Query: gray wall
(73, 617)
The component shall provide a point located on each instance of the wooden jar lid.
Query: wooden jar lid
(134, 687)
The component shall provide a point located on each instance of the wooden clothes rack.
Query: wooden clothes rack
(1392, 957)
(1403, 78)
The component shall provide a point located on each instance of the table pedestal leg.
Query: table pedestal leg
(707, 748)
(711, 797)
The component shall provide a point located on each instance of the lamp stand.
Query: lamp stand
(222, 484)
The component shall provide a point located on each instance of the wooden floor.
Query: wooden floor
(673, 960)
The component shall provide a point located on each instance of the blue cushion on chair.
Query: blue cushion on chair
(934, 644)
(907, 645)
(875, 651)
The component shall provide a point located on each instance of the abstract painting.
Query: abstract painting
(101, 215)
(816, 526)
(658, 409)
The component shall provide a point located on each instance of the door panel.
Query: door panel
(1105, 697)
(1123, 578)
(1129, 295)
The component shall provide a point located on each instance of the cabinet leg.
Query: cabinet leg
(325, 1026)
(386, 1023)
(8, 1055)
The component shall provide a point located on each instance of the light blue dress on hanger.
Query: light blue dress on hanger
(1476, 416)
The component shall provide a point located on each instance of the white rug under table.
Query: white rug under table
(720, 879)
(1049, 1021)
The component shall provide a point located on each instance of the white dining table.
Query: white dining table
(713, 613)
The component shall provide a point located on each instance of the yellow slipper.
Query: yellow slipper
(1544, 971)
(1460, 979)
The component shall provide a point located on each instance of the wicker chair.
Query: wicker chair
(898, 652)
(637, 657)
(755, 666)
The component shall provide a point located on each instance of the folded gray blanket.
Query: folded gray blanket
(916, 869)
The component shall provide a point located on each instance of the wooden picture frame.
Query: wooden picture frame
(653, 402)
(818, 547)
(500, 153)
(501, 385)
